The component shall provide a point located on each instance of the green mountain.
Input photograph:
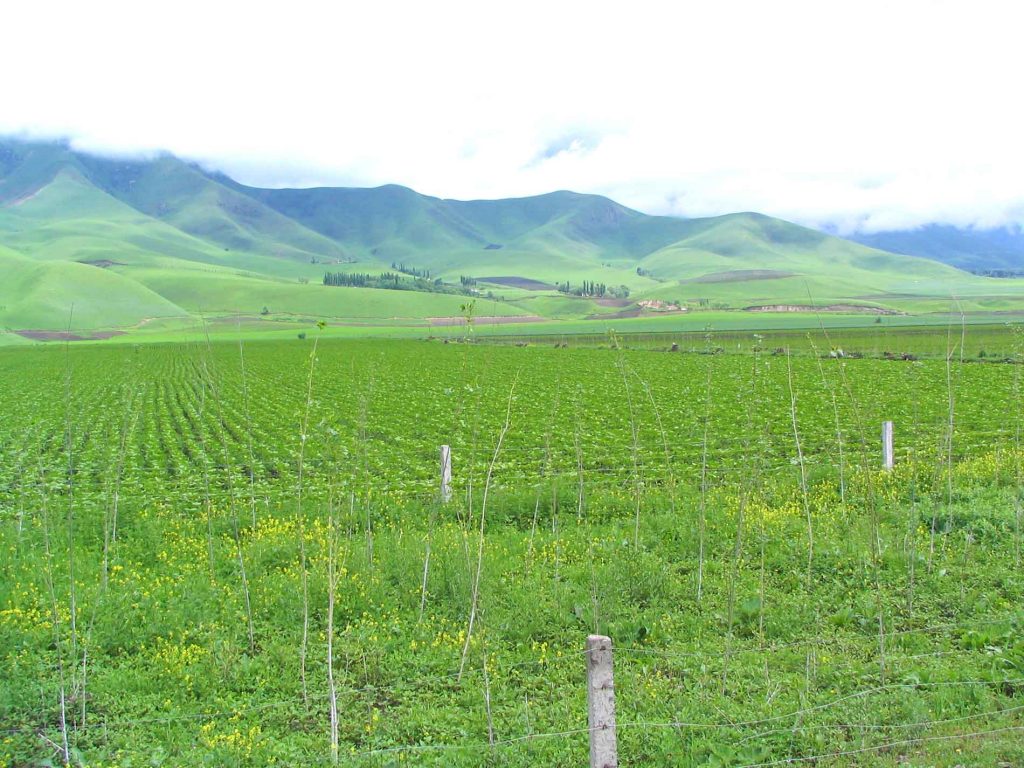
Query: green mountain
(125, 244)
(974, 249)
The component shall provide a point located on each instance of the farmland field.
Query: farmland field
(236, 553)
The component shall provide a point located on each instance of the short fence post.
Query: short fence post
(887, 451)
(601, 703)
(446, 473)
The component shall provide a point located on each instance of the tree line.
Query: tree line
(592, 289)
(392, 281)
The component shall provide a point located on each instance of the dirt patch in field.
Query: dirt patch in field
(634, 312)
(740, 275)
(65, 336)
(612, 302)
(642, 309)
(102, 263)
(493, 320)
(517, 282)
(848, 308)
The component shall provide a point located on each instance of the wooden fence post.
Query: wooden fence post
(601, 703)
(887, 450)
(446, 473)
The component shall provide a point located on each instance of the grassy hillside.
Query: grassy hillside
(379, 224)
(746, 259)
(162, 237)
(187, 198)
(52, 295)
(395, 223)
(70, 219)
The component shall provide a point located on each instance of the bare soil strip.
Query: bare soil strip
(492, 320)
(65, 336)
(848, 308)
(513, 281)
(740, 275)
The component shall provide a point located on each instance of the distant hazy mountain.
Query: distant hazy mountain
(977, 250)
(130, 241)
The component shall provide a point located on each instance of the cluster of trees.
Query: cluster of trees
(591, 289)
(392, 281)
(467, 281)
(412, 271)
(999, 272)
(353, 279)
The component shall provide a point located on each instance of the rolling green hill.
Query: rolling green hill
(55, 294)
(135, 242)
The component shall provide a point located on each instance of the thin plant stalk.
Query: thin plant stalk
(232, 501)
(838, 424)
(670, 473)
(111, 518)
(332, 586)
(487, 704)
(634, 441)
(702, 507)
(474, 599)
(872, 498)
(301, 520)
(804, 495)
(248, 429)
(109, 536)
(58, 640)
(70, 486)
(207, 503)
(426, 556)
(545, 475)
(947, 442)
(746, 494)
(580, 481)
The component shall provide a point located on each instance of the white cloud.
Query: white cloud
(868, 115)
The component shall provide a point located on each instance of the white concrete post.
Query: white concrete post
(601, 703)
(446, 473)
(887, 451)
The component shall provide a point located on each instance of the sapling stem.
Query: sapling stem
(474, 599)
(804, 495)
(747, 491)
(669, 470)
(332, 586)
(301, 520)
(55, 620)
(702, 507)
(634, 440)
(233, 504)
(248, 430)
(435, 504)
(838, 424)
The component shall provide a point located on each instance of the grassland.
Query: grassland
(204, 545)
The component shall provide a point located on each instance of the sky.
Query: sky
(858, 116)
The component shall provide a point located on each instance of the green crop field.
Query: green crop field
(235, 552)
